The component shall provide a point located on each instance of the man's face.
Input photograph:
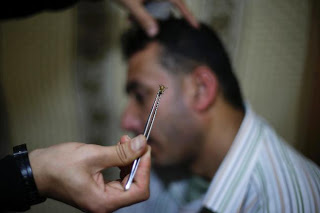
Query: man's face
(175, 137)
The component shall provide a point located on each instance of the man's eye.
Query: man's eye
(139, 98)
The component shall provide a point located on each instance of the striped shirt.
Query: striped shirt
(260, 173)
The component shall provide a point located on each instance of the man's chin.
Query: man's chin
(158, 159)
(155, 150)
(170, 172)
(162, 161)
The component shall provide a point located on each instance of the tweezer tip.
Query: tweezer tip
(127, 187)
(162, 88)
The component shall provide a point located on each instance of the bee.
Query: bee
(162, 88)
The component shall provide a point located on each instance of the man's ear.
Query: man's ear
(206, 88)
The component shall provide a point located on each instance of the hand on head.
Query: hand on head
(71, 173)
(145, 19)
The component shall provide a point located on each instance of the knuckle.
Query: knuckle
(121, 152)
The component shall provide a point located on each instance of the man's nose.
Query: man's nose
(131, 120)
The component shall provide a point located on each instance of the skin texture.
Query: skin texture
(138, 12)
(173, 140)
(194, 127)
(71, 173)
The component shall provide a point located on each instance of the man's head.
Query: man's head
(194, 66)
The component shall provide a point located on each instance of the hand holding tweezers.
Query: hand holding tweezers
(147, 130)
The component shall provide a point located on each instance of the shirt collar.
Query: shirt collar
(231, 179)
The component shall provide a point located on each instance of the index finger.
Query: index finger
(139, 189)
(185, 12)
(142, 177)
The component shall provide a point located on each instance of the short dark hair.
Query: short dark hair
(184, 48)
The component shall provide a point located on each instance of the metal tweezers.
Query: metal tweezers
(147, 130)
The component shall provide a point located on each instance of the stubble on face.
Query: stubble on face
(175, 137)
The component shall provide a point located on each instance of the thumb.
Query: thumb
(123, 154)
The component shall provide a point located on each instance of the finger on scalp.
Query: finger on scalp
(147, 22)
(186, 12)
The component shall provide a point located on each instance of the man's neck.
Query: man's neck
(223, 126)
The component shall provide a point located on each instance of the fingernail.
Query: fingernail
(152, 31)
(137, 143)
(127, 138)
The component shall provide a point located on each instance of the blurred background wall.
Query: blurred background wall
(62, 75)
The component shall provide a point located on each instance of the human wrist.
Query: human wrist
(37, 170)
